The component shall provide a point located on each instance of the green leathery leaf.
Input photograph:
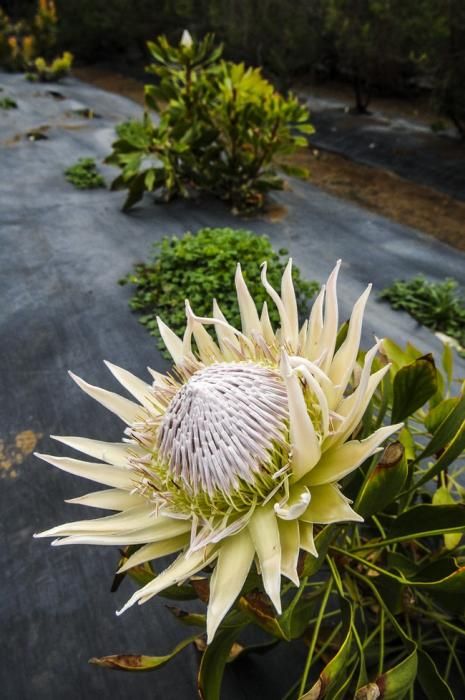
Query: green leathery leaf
(294, 171)
(447, 591)
(451, 453)
(395, 354)
(213, 663)
(258, 610)
(335, 670)
(447, 429)
(384, 483)
(442, 496)
(448, 362)
(432, 683)
(438, 414)
(140, 662)
(425, 521)
(395, 683)
(406, 438)
(413, 385)
(190, 619)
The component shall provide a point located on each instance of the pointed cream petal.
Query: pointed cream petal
(159, 379)
(307, 542)
(295, 505)
(339, 461)
(173, 344)
(141, 391)
(110, 499)
(331, 319)
(161, 529)
(344, 359)
(235, 558)
(116, 453)
(106, 474)
(323, 380)
(289, 334)
(267, 328)
(179, 571)
(154, 550)
(249, 316)
(329, 505)
(320, 396)
(226, 336)
(352, 407)
(128, 411)
(358, 408)
(290, 545)
(304, 442)
(303, 337)
(315, 326)
(263, 528)
(290, 301)
(208, 350)
(132, 519)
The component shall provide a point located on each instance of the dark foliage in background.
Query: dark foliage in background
(378, 45)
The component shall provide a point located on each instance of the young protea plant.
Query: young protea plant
(236, 455)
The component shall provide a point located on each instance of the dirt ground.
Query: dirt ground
(375, 189)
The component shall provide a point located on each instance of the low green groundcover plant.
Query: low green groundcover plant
(437, 305)
(84, 175)
(7, 103)
(200, 267)
(223, 129)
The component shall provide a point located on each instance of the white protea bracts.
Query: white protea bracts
(235, 455)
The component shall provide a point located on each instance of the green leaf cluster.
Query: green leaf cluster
(84, 175)
(7, 103)
(201, 267)
(437, 305)
(59, 67)
(381, 610)
(223, 129)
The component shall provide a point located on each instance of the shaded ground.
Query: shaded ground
(389, 163)
(403, 145)
(62, 252)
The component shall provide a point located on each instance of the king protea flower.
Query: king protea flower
(233, 457)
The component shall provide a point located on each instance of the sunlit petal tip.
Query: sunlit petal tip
(284, 365)
(173, 344)
(249, 315)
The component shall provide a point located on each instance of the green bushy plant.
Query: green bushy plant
(45, 72)
(223, 130)
(201, 266)
(26, 46)
(7, 103)
(437, 305)
(84, 175)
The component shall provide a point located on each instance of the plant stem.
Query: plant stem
(316, 631)
(381, 641)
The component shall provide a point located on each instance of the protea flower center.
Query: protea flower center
(234, 456)
(223, 426)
